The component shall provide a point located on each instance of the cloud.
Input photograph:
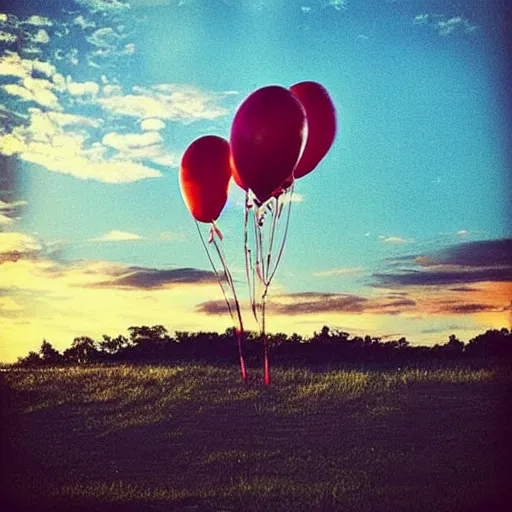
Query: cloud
(82, 88)
(14, 246)
(42, 126)
(9, 211)
(480, 253)
(42, 122)
(152, 124)
(116, 236)
(5, 220)
(104, 5)
(146, 146)
(48, 141)
(132, 141)
(59, 300)
(291, 198)
(443, 277)
(147, 278)
(36, 91)
(339, 272)
(41, 36)
(455, 23)
(465, 263)
(214, 307)
(308, 303)
(469, 308)
(104, 37)
(83, 22)
(7, 37)
(151, 3)
(445, 26)
(396, 240)
(39, 21)
(174, 102)
(338, 4)
(12, 206)
(314, 303)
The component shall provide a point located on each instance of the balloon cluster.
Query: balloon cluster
(278, 135)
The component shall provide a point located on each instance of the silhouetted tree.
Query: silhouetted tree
(49, 355)
(492, 343)
(153, 343)
(82, 351)
(30, 360)
(111, 346)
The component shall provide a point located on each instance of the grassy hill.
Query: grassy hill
(193, 438)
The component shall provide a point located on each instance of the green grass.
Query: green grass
(193, 438)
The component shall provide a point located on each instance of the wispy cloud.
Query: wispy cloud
(11, 210)
(174, 102)
(149, 278)
(5, 220)
(338, 4)
(396, 240)
(43, 127)
(67, 150)
(41, 296)
(292, 198)
(104, 5)
(315, 303)
(14, 245)
(116, 236)
(152, 124)
(444, 25)
(38, 21)
(346, 271)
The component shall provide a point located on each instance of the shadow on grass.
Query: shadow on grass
(144, 440)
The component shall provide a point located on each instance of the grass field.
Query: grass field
(192, 438)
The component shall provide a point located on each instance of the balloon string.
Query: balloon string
(285, 234)
(266, 364)
(238, 330)
(249, 269)
(274, 211)
(257, 265)
(219, 279)
(231, 284)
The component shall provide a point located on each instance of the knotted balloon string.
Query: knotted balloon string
(261, 270)
(239, 330)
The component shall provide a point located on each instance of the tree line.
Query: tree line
(154, 344)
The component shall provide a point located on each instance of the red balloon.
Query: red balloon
(266, 139)
(321, 117)
(204, 177)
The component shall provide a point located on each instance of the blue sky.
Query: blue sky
(99, 99)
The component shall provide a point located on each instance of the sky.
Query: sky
(403, 229)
